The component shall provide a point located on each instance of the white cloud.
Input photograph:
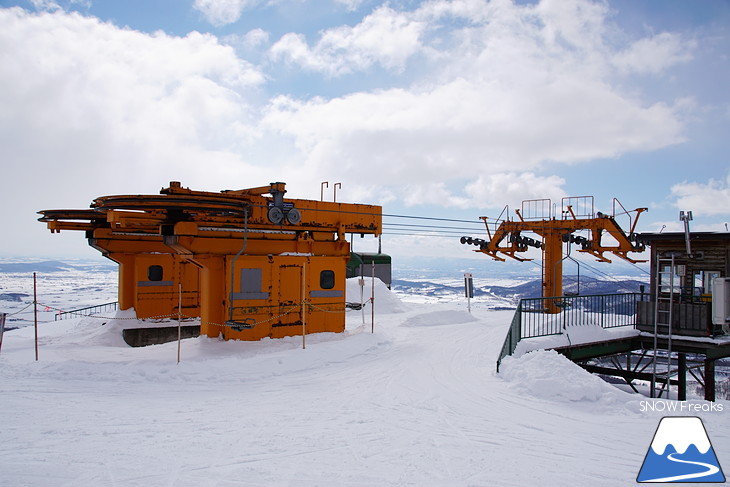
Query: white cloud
(385, 37)
(711, 198)
(48, 5)
(510, 88)
(496, 190)
(255, 38)
(655, 54)
(90, 109)
(222, 12)
(351, 4)
(51, 5)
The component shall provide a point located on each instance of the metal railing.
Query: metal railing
(532, 320)
(88, 311)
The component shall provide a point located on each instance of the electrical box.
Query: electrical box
(721, 301)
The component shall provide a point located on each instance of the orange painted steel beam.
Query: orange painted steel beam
(553, 231)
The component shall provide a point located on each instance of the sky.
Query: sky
(444, 109)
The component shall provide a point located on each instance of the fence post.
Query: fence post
(179, 319)
(372, 299)
(304, 305)
(35, 314)
(2, 328)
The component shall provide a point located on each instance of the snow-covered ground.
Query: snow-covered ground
(417, 402)
(77, 286)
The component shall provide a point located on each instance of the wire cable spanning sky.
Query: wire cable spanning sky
(450, 109)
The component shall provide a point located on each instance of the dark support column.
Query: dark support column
(710, 380)
(682, 377)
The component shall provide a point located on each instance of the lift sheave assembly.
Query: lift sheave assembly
(250, 263)
(537, 216)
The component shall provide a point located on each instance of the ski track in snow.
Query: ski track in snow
(416, 403)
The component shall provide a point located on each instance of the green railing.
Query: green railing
(532, 319)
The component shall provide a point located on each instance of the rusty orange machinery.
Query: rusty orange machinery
(244, 260)
(555, 232)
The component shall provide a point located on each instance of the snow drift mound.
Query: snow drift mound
(546, 374)
(385, 300)
(439, 318)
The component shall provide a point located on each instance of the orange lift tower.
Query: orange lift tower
(537, 216)
(249, 262)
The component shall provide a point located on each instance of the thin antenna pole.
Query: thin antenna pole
(336, 185)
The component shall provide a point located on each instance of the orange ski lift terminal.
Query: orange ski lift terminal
(250, 263)
(537, 216)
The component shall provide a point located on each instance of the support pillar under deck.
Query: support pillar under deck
(709, 380)
(213, 303)
(682, 376)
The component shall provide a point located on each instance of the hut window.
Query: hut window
(709, 277)
(668, 279)
(327, 279)
(154, 273)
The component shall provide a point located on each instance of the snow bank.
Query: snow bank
(574, 335)
(385, 300)
(546, 374)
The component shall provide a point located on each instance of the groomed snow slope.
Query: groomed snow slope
(416, 403)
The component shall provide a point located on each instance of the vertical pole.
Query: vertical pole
(304, 306)
(671, 318)
(468, 289)
(335, 188)
(361, 283)
(179, 317)
(682, 378)
(35, 314)
(372, 300)
(709, 379)
(657, 290)
(2, 328)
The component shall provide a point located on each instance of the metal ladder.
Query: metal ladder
(665, 272)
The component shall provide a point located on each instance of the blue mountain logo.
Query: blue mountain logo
(681, 452)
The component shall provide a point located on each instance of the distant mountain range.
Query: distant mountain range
(45, 266)
(55, 266)
(531, 289)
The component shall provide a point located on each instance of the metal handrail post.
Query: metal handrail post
(2, 328)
